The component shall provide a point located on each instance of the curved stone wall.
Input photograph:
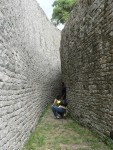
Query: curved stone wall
(87, 63)
(29, 69)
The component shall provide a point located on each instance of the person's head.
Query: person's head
(58, 97)
(63, 98)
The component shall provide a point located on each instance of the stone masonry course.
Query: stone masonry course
(87, 64)
(30, 72)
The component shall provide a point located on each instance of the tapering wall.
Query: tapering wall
(29, 69)
(87, 63)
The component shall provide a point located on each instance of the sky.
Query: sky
(46, 5)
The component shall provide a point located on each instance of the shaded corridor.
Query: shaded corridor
(62, 134)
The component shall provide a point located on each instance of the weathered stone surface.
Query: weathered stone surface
(87, 63)
(29, 69)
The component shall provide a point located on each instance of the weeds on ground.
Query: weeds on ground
(58, 134)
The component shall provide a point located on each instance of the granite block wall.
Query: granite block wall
(87, 63)
(30, 69)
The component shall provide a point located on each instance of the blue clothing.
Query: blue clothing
(58, 110)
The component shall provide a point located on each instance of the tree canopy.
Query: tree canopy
(61, 10)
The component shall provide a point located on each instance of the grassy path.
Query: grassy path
(62, 134)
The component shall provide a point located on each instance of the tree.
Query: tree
(61, 10)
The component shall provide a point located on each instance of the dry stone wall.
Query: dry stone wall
(87, 63)
(29, 69)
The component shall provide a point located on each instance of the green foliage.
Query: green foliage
(58, 134)
(61, 10)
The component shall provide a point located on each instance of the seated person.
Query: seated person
(61, 109)
(57, 101)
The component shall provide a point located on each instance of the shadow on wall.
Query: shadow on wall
(87, 64)
(52, 87)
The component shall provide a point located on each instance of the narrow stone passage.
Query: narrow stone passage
(62, 134)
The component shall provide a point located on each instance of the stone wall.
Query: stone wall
(29, 69)
(87, 63)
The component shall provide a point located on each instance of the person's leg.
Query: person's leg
(62, 113)
(58, 110)
(54, 110)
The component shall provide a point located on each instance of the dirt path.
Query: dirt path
(62, 134)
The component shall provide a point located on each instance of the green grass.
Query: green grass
(57, 134)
